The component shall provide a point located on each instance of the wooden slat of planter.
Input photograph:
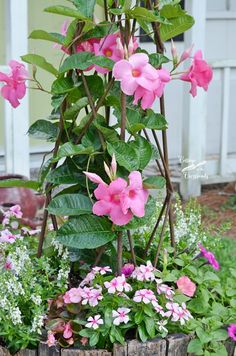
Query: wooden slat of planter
(120, 350)
(4, 352)
(76, 352)
(155, 347)
(230, 347)
(26, 352)
(177, 344)
(44, 350)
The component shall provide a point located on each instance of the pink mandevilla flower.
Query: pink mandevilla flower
(144, 295)
(67, 333)
(199, 74)
(121, 316)
(118, 284)
(127, 269)
(138, 77)
(186, 286)
(95, 322)
(210, 257)
(232, 331)
(14, 88)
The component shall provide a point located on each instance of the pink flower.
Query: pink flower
(210, 257)
(186, 286)
(178, 313)
(8, 264)
(199, 74)
(127, 269)
(144, 273)
(14, 88)
(67, 333)
(102, 270)
(186, 54)
(158, 308)
(88, 279)
(165, 289)
(91, 296)
(148, 97)
(134, 197)
(108, 203)
(144, 295)
(135, 72)
(120, 315)
(7, 236)
(74, 295)
(232, 331)
(94, 322)
(51, 341)
(118, 284)
(15, 211)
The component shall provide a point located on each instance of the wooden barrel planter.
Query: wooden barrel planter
(174, 345)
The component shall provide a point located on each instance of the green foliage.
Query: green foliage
(40, 62)
(44, 130)
(70, 204)
(20, 183)
(44, 35)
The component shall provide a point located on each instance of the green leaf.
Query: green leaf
(62, 85)
(20, 183)
(69, 149)
(102, 61)
(155, 121)
(66, 11)
(86, 232)
(203, 335)
(79, 60)
(126, 155)
(65, 174)
(85, 7)
(142, 333)
(139, 316)
(179, 25)
(74, 110)
(44, 35)
(156, 182)
(44, 130)
(70, 34)
(40, 62)
(195, 347)
(157, 59)
(211, 276)
(109, 133)
(150, 326)
(219, 335)
(70, 204)
(140, 13)
(144, 151)
(93, 340)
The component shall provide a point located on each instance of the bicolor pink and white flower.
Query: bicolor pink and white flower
(118, 284)
(199, 74)
(121, 316)
(232, 331)
(161, 325)
(210, 257)
(51, 340)
(178, 313)
(8, 264)
(158, 308)
(102, 270)
(14, 88)
(94, 322)
(186, 286)
(8, 237)
(91, 296)
(144, 295)
(144, 272)
(165, 289)
(74, 295)
(88, 279)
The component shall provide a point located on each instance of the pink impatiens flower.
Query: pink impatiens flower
(144, 295)
(232, 331)
(74, 295)
(67, 333)
(95, 322)
(51, 341)
(199, 74)
(14, 88)
(210, 257)
(121, 316)
(186, 286)
(127, 269)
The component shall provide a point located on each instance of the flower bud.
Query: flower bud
(186, 54)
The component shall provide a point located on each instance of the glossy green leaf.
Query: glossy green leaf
(150, 326)
(85, 7)
(74, 110)
(140, 13)
(157, 59)
(76, 61)
(40, 62)
(155, 121)
(126, 155)
(86, 232)
(69, 149)
(66, 11)
(155, 182)
(70, 204)
(144, 151)
(179, 25)
(44, 35)
(19, 183)
(62, 85)
(44, 130)
(102, 61)
(195, 347)
(65, 174)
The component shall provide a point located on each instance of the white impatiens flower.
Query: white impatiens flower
(120, 315)
(94, 322)
(161, 325)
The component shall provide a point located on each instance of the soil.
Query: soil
(219, 206)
